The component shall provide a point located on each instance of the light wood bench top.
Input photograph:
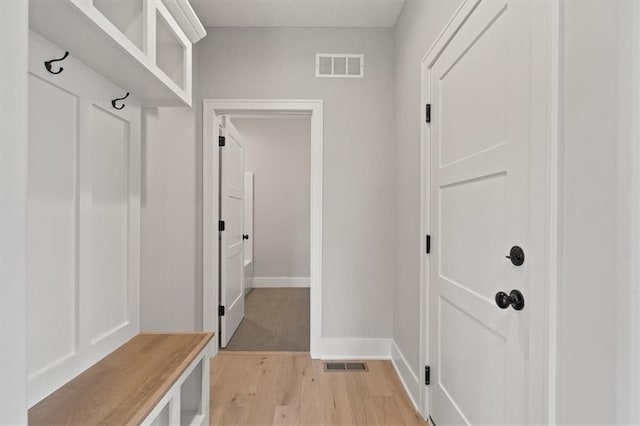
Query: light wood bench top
(122, 388)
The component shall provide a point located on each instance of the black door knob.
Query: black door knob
(514, 299)
(516, 254)
(245, 237)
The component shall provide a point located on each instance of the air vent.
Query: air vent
(336, 65)
(353, 366)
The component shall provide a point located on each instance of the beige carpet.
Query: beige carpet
(276, 319)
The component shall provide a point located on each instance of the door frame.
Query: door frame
(211, 109)
(545, 175)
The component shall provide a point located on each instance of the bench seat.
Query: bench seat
(128, 384)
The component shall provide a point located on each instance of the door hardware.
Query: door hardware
(516, 255)
(515, 299)
(245, 237)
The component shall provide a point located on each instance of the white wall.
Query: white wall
(171, 258)
(13, 206)
(278, 152)
(597, 381)
(358, 152)
(420, 22)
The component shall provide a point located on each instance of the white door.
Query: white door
(481, 87)
(231, 241)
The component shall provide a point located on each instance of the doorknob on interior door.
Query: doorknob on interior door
(245, 236)
(514, 299)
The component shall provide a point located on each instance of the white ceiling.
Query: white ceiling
(298, 13)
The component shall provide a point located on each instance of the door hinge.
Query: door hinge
(428, 113)
(222, 141)
(221, 225)
(427, 375)
(221, 311)
(428, 244)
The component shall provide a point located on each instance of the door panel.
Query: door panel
(480, 89)
(232, 248)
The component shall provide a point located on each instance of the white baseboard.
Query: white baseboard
(280, 282)
(345, 349)
(408, 377)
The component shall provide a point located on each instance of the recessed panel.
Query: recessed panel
(473, 96)
(472, 360)
(472, 228)
(52, 285)
(110, 208)
(233, 279)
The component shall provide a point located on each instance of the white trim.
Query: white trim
(345, 349)
(409, 379)
(14, 27)
(280, 282)
(187, 19)
(210, 166)
(543, 317)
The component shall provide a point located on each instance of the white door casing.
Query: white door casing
(486, 93)
(231, 241)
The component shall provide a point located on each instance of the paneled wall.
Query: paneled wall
(83, 220)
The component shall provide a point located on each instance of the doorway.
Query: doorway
(213, 110)
(276, 232)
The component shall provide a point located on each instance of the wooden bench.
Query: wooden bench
(151, 379)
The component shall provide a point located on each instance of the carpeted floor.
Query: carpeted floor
(276, 319)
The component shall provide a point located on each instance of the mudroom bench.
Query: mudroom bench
(153, 379)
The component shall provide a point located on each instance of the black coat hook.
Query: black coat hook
(113, 102)
(47, 64)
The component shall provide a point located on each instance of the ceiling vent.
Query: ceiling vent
(336, 65)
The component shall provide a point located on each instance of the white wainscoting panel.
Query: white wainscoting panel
(280, 282)
(83, 220)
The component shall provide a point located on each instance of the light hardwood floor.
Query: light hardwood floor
(288, 388)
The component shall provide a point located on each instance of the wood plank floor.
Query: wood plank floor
(288, 388)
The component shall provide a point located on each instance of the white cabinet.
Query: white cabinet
(143, 46)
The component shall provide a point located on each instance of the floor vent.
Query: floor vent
(333, 367)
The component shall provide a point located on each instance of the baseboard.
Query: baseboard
(409, 379)
(339, 349)
(280, 282)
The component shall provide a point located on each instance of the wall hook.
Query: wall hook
(113, 102)
(47, 64)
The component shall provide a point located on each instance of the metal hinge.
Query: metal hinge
(428, 113)
(221, 225)
(427, 375)
(222, 141)
(221, 311)
(428, 243)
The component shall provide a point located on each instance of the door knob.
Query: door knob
(245, 237)
(514, 299)
(516, 255)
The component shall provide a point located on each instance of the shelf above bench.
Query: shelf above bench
(137, 44)
(131, 383)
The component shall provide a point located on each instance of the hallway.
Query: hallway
(276, 319)
(291, 389)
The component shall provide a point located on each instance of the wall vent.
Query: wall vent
(338, 65)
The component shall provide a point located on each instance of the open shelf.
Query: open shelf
(137, 44)
(127, 16)
(191, 397)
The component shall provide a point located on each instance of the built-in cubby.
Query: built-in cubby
(127, 16)
(138, 44)
(170, 51)
(191, 397)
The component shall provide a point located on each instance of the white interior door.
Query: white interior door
(231, 241)
(481, 91)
